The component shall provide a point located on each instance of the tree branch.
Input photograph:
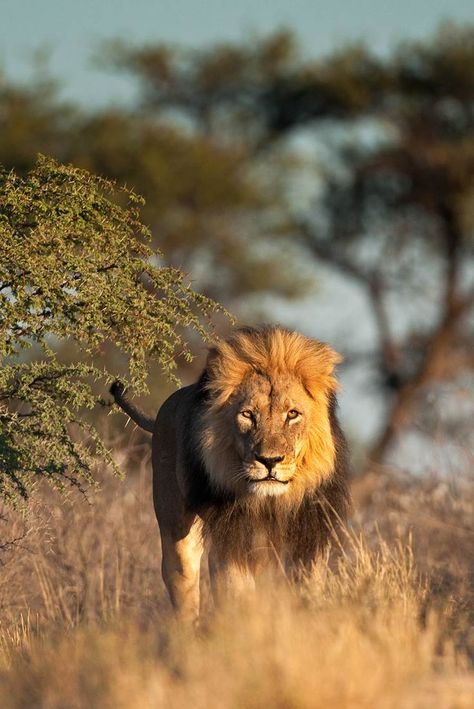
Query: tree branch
(372, 282)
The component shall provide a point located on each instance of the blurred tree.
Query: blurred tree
(212, 148)
(392, 208)
(209, 206)
(32, 120)
(75, 264)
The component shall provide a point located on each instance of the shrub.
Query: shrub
(75, 263)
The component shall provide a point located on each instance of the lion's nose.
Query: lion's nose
(269, 463)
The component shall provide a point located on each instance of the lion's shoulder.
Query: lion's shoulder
(178, 404)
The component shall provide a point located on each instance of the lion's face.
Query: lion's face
(267, 430)
(270, 420)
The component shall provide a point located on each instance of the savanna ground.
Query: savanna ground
(85, 620)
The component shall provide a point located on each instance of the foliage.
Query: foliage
(75, 264)
(252, 156)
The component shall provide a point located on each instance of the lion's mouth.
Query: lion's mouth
(268, 479)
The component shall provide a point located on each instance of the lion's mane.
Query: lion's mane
(305, 518)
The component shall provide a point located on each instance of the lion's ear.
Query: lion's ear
(317, 368)
(215, 360)
(225, 372)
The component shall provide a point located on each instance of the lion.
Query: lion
(249, 462)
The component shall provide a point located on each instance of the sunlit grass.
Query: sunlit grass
(86, 622)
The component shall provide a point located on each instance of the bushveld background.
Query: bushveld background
(329, 191)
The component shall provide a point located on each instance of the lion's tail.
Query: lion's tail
(118, 392)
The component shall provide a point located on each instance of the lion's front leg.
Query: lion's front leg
(180, 567)
(229, 580)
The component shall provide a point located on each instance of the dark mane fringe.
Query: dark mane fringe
(304, 531)
(201, 495)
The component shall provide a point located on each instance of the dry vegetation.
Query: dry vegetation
(86, 622)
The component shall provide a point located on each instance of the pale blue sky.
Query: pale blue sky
(73, 28)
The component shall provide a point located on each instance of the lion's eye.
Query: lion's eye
(292, 414)
(247, 414)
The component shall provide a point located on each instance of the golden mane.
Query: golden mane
(275, 353)
(272, 351)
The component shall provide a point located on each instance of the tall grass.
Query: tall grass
(85, 621)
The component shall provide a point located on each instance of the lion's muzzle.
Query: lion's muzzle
(267, 477)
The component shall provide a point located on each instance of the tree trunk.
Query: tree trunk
(398, 416)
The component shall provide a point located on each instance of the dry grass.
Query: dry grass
(85, 621)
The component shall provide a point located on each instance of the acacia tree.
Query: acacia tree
(396, 218)
(75, 263)
(392, 209)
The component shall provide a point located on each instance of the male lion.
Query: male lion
(250, 459)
